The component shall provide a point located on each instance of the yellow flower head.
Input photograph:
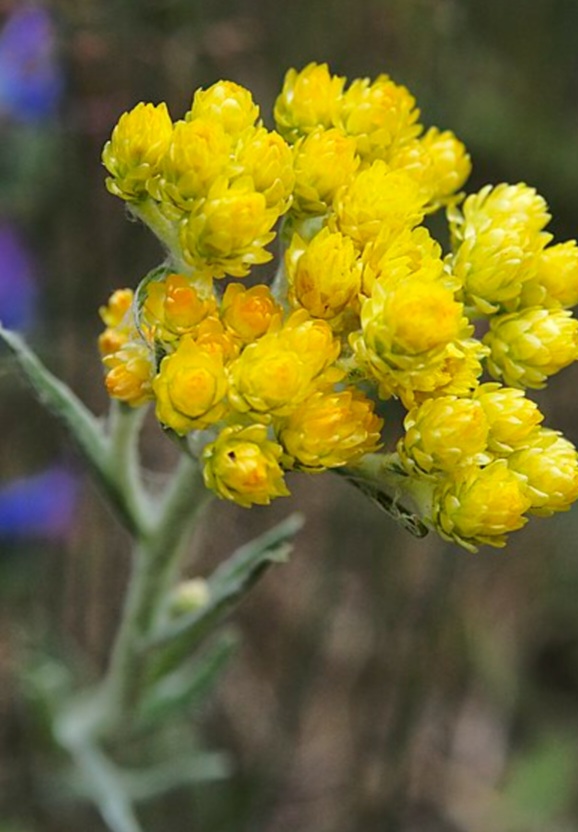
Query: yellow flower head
(381, 115)
(227, 103)
(376, 198)
(493, 267)
(411, 317)
(309, 99)
(199, 152)
(324, 275)
(480, 505)
(173, 308)
(117, 315)
(274, 375)
(213, 337)
(444, 433)
(325, 160)
(130, 373)
(228, 231)
(511, 206)
(190, 388)
(268, 160)
(448, 164)
(530, 345)
(314, 342)
(250, 313)
(411, 252)
(330, 429)
(496, 239)
(511, 415)
(118, 307)
(456, 374)
(555, 282)
(411, 340)
(134, 153)
(549, 465)
(243, 465)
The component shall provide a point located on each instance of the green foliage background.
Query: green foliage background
(382, 683)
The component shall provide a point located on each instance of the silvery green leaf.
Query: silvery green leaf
(226, 587)
(189, 685)
(83, 427)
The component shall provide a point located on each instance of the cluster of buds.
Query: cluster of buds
(292, 374)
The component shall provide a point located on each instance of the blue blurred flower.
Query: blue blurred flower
(31, 81)
(18, 292)
(41, 506)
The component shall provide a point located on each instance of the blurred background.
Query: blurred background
(383, 684)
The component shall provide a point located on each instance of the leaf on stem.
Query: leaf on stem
(189, 685)
(83, 427)
(57, 397)
(226, 587)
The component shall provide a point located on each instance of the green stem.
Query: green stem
(279, 288)
(124, 425)
(167, 231)
(105, 712)
(381, 478)
(155, 560)
(108, 788)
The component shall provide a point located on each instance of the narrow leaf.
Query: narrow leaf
(84, 428)
(197, 767)
(189, 685)
(227, 586)
(57, 397)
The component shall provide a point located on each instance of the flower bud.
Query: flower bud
(549, 464)
(190, 388)
(273, 375)
(130, 373)
(324, 161)
(378, 197)
(480, 505)
(556, 279)
(173, 308)
(198, 153)
(228, 232)
(381, 115)
(117, 315)
(512, 417)
(227, 103)
(242, 465)
(444, 433)
(497, 237)
(134, 153)
(268, 160)
(330, 429)
(250, 313)
(324, 275)
(529, 346)
(449, 164)
(309, 99)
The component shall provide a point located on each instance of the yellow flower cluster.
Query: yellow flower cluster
(365, 305)
(512, 275)
(264, 381)
(488, 462)
(215, 183)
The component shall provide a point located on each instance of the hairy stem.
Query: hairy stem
(156, 558)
